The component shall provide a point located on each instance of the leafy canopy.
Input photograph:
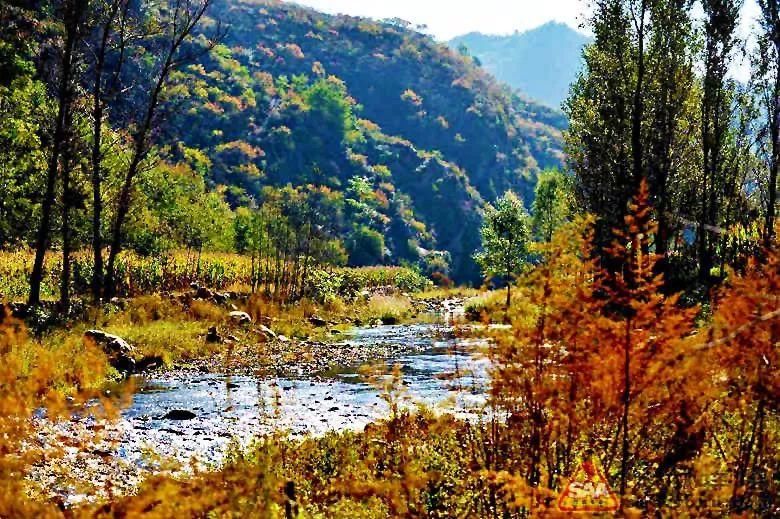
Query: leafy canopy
(506, 234)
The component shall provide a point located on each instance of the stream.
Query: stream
(241, 407)
(439, 371)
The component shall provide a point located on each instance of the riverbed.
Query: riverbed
(187, 415)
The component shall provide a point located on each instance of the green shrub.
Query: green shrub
(347, 283)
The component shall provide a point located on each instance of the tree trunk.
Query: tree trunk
(638, 112)
(185, 17)
(67, 164)
(64, 94)
(140, 149)
(774, 165)
(123, 207)
(97, 136)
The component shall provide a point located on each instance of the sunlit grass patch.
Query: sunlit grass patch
(390, 309)
(448, 293)
(485, 306)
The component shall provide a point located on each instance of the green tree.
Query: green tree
(366, 247)
(186, 17)
(72, 15)
(721, 20)
(673, 97)
(554, 203)
(23, 111)
(766, 79)
(598, 142)
(506, 233)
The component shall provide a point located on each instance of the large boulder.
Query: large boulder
(204, 293)
(150, 363)
(119, 351)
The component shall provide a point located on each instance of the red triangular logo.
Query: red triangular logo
(588, 491)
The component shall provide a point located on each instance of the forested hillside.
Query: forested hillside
(338, 98)
(227, 219)
(541, 63)
(407, 138)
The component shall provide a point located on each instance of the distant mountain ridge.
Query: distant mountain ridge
(541, 62)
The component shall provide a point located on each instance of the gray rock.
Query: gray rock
(179, 414)
(267, 332)
(118, 302)
(111, 344)
(204, 293)
(119, 352)
(149, 363)
(240, 317)
(317, 321)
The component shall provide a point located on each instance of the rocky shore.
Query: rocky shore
(260, 382)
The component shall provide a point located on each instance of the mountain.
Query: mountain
(294, 96)
(541, 63)
(395, 140)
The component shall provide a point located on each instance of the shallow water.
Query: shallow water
(239, 408)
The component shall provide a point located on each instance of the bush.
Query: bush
(347, 283)
(366, 247)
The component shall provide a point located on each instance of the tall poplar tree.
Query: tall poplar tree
(721, 18)
(766, 78)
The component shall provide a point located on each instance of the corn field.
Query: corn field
(138, 275)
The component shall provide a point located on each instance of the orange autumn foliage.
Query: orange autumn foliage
(678, 404)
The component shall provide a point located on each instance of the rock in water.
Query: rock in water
(179, 414)
(240, 317)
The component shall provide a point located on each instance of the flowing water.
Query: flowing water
(239, 408)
